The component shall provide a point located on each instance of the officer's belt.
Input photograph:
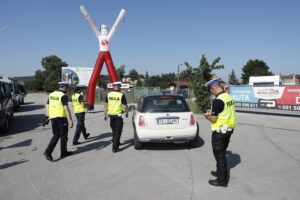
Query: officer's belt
(117, 115)
(228, 130)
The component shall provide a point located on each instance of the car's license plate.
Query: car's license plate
(161, 121)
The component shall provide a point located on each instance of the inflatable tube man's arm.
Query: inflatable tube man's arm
(89, 19)
(116, 24)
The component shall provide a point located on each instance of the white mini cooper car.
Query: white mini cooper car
(164, 118)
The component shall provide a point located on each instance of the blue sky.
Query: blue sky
(157, 35)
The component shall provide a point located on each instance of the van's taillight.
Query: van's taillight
(141, 121)
(192, 120)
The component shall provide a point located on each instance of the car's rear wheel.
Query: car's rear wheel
(136, 143)
(5, 126)
(194, 142)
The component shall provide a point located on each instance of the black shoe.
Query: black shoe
(76, 143)
(48, 156)
(116, 150)
(217, 183)
(214, 173)
(68, 153)
(86, 136)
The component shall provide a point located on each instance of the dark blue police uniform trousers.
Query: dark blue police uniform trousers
(80, 127)
(60, 131)
(116, 124)
(220, 143)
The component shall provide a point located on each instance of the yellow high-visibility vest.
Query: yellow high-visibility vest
(56, 108)
(228, 116)
(115, 105)
(78, 108)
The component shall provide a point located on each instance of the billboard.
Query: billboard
(76, 75)
(272, 97)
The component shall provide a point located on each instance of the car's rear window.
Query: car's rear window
(165, 104)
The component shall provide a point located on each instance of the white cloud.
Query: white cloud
(3, 28)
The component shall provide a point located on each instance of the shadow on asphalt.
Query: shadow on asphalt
(24, 143)
(29, 107)
(172, 146)
(94, 145)
(7, 165)
(126, 144)
(233, 159)
(28, 103)
(98, 137)
(23, 123)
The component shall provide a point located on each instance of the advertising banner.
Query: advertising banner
(273, 97)
(76, 75)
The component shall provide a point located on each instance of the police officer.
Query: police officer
(79, 110)
(223, 121)
(114, 105)
(60, 116)
(224, 85)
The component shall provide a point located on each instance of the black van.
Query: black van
(6, 104)
(15, 93)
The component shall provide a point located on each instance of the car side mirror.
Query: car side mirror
(131, 107)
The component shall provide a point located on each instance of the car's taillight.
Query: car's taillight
(192, 120)
(141, 121)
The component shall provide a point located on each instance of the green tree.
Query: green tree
(154, 81)
(146, 79)
(47, 79)
(232, 78)
(133, 74)
(103, 80)
(187, 74)
(202, 74)
(52, 65)
(165, 80)
(121, 72)
(37, 83)
(254, 68)
(139, 83)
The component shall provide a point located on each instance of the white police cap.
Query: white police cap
(63, 84)
(212, 82)
(118, 83)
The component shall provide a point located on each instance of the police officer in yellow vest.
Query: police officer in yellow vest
(223, 121)
(60, 116)
(114, 107)
(80, 108)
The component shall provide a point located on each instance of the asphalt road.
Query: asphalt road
(263, 157)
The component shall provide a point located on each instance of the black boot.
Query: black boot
(76, 143)
(214, 173)
(217, 183)
(68, 153)
(48, 156)
(86, 135)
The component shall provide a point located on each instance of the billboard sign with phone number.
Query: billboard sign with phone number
(273, 97)
(76, 75)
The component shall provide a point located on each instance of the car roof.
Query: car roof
(4, 79)
(161, 94)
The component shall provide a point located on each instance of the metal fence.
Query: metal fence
(134, 94)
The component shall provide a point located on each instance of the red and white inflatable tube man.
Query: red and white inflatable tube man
(104, 38)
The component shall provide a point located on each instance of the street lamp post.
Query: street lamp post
(178, 76)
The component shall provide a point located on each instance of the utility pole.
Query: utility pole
(177, 86)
